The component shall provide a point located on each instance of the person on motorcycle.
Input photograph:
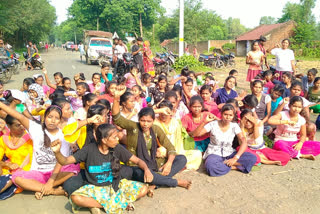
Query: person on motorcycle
(31, 50)
(137, 50)
(3, 50)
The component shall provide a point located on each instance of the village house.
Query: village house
(274, 33)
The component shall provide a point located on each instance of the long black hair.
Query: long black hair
(93, 110)
(46, 139)
(88, 98)
(104, 131)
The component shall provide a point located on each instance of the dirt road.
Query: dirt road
(292, 189)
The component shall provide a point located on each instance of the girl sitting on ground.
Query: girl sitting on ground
(313, 95)
(173, 130)
(58, 76)
(140, 102)
(16, 145)
(227, 92)
(142, 140)
(38, 78)
(209, 104)
(131, 77)
(221, 157)
(289, 125)
(109, 91)
(45, 173)
(76, 97)
(105, 188)
(295, 90)
(88, 100)
(252, 129)
(96, 87)
(192, 120)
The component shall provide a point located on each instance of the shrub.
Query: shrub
(189, 61)
(211, 49)
(230, 46)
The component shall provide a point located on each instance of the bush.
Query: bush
(230, 46)
(189, 61)
(211, 49)
(312, 50)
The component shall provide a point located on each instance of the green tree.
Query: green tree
(22, 20)
(302, 15)
(234, 28)
(267, 20)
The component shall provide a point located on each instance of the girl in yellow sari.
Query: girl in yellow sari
(147, 59)
(173, 129)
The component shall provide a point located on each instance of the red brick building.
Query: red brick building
(274, 33)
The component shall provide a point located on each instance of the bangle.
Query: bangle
(237, 156)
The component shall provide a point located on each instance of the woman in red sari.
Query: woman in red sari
(147, 59)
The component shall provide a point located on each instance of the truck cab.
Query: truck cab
(98, 44)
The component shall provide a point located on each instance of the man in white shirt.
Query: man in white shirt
(120, 49)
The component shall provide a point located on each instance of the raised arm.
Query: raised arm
(45, 72)
(22, 119)
(120, 90)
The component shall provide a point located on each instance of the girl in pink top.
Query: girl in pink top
(209, 104)
(291, 132)
(140, 102)
(39, 80)
(192, 120)
(131, 78)
(96, 87)
(255, 59)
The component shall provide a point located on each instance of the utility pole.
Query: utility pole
(181, 28)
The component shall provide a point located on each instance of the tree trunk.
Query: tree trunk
(97, 23)
(141, 32)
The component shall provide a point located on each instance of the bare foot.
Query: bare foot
(185, 184)
(130, 207)
(58, 191)
(309, 157)
(95, 210)
(38, 195)
(150, 191)
(278, 163)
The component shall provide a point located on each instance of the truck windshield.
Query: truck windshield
(100, 43)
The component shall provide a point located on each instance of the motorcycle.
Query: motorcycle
(122, 66)
(35, 60)
(163, 62)
(207, 59)
(6, 69)
(228, 59)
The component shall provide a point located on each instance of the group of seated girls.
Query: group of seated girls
(107, 143)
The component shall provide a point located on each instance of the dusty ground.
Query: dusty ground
(293, 189)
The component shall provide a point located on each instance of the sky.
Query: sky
(249, 13)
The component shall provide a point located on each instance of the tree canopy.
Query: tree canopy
(23, 20)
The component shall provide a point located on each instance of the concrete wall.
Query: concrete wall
(202, 47)
(219, 43)
(241, 49)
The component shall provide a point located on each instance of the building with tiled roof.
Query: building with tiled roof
(274, 33)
